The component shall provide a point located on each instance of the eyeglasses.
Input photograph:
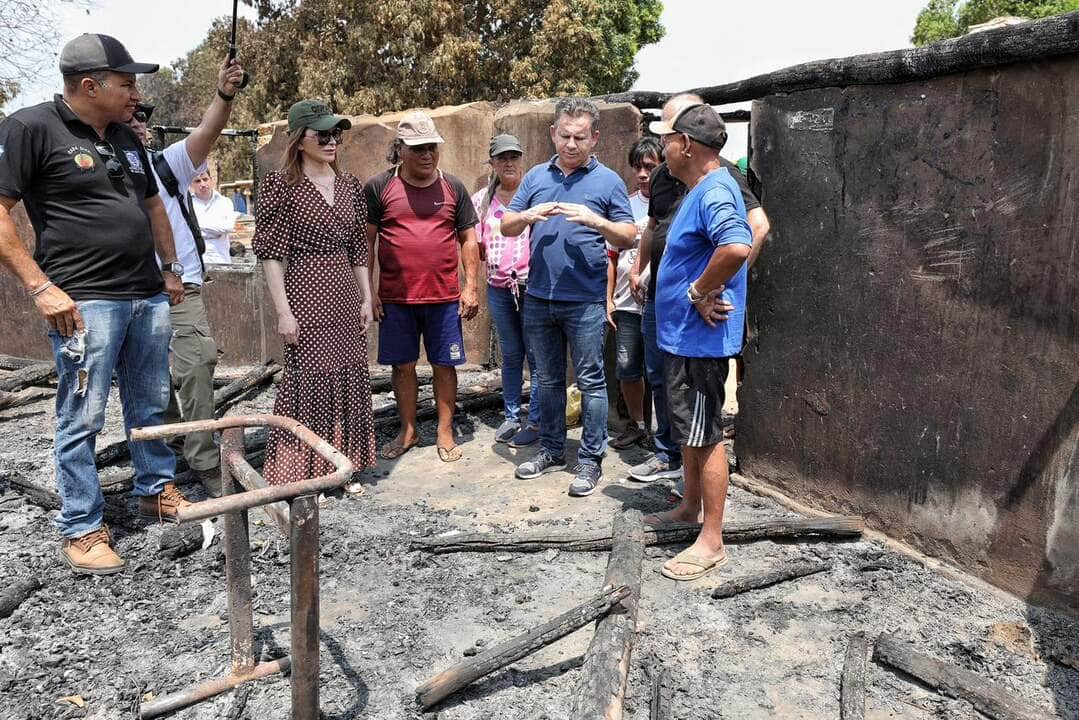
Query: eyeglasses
(421, 149)
(323, 137)
(112, 165)
(140, 116)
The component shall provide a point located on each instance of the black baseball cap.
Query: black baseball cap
(91, 52)
(703, 124)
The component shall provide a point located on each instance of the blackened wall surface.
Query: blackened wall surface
(918, 312)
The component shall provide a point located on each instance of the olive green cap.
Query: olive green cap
(316, 115)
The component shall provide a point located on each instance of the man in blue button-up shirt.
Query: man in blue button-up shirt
(576, 205)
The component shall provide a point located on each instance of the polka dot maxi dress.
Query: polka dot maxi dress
(326, 384)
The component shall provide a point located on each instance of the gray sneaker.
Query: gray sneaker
(678, 490)
(506, 431)
(588, 475)
(528, 435)
(542, 462)
(656, 467)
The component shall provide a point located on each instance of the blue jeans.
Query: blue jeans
(666, 448)
(132, 338)
(551, 326)
(508, 317)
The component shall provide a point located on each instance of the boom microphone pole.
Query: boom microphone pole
(232, 42)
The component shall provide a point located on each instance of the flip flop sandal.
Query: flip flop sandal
(395, 450)
(685, 557)
(448, 455)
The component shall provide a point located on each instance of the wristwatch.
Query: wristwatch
(175, 268)
(694, 296)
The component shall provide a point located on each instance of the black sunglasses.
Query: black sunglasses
(112, 165)
(140, 116)
(324, 136)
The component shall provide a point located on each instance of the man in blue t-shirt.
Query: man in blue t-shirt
(575, 206)
(707, 246)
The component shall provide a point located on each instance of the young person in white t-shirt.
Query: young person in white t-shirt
(623, 310)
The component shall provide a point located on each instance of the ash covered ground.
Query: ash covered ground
(392, 617)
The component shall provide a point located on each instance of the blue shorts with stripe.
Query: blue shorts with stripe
(695, 395)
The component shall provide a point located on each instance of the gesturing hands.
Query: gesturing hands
(539, 213)
(580, 214)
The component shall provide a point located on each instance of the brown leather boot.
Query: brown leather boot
(92, 553)
(163, 507)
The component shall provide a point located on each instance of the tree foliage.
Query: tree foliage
(27, 28)
(385, 55)
(943, 19)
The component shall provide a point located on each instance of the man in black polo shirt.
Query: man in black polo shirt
(85, 181)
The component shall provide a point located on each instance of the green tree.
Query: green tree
(385, 55)
(943, 19)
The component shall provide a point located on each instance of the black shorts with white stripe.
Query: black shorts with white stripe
(695, 398)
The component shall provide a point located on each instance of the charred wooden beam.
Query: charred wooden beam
(756, 581)
(840, 527)
(601, 687)
(1036, 40)
(15, 593)
(987, 697)
(37, 374)
(468, 671)
(255, 378)
(13, 362)
(29, 395)
(852, 682)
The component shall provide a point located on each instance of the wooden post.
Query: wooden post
(987, 697)
(468, 671)
(852, 682)
(757, 581)
(601, 689)
(734, 532)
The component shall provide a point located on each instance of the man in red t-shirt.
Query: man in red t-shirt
(419, 215)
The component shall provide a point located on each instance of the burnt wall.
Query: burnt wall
(917, 359)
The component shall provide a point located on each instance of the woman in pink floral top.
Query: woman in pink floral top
(507, 273)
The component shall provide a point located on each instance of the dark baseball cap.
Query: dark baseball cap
(504, 143)
(91, 52)
(146, 109)
(316, 115)
(703, 124)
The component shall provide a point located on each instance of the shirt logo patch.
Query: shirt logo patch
(84, 160)
(133, 161)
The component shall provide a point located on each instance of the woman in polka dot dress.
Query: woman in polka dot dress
(311, 236)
